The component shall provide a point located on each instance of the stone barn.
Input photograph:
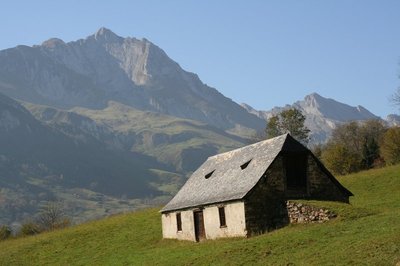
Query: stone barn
(244, 192)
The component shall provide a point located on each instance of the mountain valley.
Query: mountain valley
(108, 124)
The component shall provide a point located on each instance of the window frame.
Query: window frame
(178, 222)
(222, 217)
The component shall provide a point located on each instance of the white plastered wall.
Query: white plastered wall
(234, 216)
(235, 221)
(170, 229)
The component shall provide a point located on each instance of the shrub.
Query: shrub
(5, 232)
(354, 146)
(29, 228)
(390, 147)
(340, 159)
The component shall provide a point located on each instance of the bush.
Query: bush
(5, 232)
(390, 147)
(340, 159)
(29, 228)
(354, 146)
(61, 223)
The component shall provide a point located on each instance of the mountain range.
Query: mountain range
(105, 67)
(107, 124)
(323, 115)
(49, 162)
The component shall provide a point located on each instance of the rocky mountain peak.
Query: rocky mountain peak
(53, 42)
(322, 114)
(90, 72)
(104, 34)
(313, 96)
(331, 109)
(314, 100)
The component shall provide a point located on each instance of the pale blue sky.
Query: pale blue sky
(264, 53)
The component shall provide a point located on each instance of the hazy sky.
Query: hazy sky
(264, 53)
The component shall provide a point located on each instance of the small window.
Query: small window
(178, 221)
(207, 176)
(243, 166)
(222, 220)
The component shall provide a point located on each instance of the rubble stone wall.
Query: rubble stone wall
(301, 213)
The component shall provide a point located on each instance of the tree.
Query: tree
(288, 121)
(390, 147)
(340, 159)
(396, 97)
(348, 134)
(354, 146)
(273, 127)
(370, 152)
(51, 216)
(372, 132)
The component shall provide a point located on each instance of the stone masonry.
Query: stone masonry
(301, 213)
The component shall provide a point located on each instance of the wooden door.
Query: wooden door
(199, 231)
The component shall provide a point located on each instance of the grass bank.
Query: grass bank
(366, 232)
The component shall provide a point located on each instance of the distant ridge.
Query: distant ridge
(322, 114)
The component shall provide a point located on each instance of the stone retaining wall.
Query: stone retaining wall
(301, 213)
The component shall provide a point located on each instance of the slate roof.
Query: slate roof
(221, 178)
(228, 181)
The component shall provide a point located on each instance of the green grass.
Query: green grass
(367, 232)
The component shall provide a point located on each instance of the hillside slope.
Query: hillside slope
(182, 144)
(41, 163)
(365, 232)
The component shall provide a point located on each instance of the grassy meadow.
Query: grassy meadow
(366, 232)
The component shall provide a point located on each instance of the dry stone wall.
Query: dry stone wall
(301, 213)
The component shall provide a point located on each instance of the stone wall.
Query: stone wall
(266, 208)
(301, 213)
(320, 186)
(265, 205)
